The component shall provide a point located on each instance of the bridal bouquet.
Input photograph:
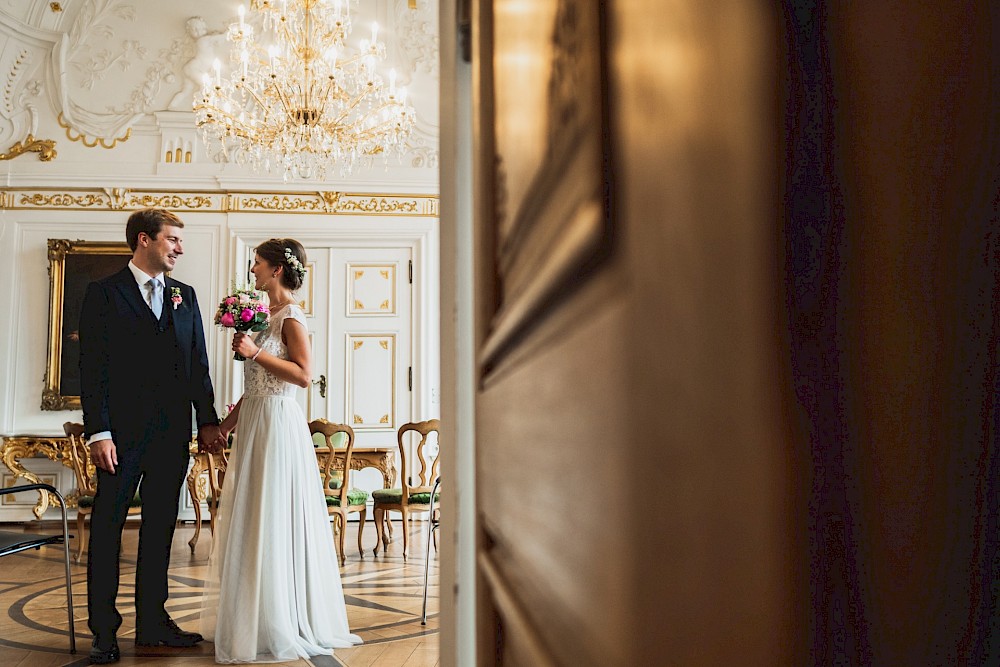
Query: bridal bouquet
(244, 311)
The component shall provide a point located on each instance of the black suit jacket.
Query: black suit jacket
(115, 328)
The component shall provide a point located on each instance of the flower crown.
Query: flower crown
(294, 262)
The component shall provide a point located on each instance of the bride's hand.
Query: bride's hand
(244, 344)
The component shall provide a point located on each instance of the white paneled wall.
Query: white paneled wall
(215, 251)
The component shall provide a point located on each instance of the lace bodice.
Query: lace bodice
(257, 381)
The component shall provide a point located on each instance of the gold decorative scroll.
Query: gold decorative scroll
(119, 199)
(358, 274)
(46, 149)
(358, 343)
(15, 448)
(358, 419)
(384, 344)
(384, 305)
(338, 202)
(358, 305)
(93, 143)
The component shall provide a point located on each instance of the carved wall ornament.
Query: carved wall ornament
(72, 135)
(87, 52)
(20, 63)
(118, 199)
(46, 149)
(378, 205)
(418, 39)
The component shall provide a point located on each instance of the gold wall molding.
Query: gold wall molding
(91, 143)
(209, 201)
(46, 149)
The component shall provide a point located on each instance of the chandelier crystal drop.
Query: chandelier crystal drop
(297, 98)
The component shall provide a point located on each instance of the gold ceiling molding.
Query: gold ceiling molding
(46, 149)
(124, 199)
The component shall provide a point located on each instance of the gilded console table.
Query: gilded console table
(54, 448)
(382, 459)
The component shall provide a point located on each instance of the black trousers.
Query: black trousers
(161, 467)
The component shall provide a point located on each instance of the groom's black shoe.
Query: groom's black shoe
(104, 650)
(166, 634)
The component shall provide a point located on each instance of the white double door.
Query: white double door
(358, 303)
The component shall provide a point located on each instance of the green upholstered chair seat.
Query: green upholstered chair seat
(88, 501)
(354, 497)
(395, 497)
(339, 440)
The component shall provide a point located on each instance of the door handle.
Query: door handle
(322, 385)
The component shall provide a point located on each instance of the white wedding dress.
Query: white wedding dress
(273, 560)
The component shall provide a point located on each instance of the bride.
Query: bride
(273, 559)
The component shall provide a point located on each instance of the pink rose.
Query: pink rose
(244, 298)
(230, 300)
(227, 320)
(246, 315)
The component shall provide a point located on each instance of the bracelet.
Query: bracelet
(254, 357)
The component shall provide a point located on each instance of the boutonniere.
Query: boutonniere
(175, 296)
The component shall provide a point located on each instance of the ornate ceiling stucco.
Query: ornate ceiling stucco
(107, 80)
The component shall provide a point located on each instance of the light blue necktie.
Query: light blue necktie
(156, 297)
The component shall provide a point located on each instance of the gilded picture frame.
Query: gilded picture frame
(549, 222)
(72, 266)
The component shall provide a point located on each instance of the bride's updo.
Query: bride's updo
(286, 253)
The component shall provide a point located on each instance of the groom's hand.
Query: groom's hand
(104, 454)
(210, 438)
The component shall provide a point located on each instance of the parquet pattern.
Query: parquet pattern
(383, 596)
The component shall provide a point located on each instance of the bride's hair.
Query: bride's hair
(286, 253)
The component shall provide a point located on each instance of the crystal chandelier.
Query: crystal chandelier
(297, 99)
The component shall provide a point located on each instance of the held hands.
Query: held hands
(104, 454)
(211, 438)
(244, 345)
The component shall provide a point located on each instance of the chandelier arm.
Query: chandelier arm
(339, 120)
(260, 102)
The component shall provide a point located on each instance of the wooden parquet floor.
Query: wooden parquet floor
(383, 596)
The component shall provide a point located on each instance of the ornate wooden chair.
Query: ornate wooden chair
(341, 499)
(218, 462)
(86, 483)
(207, 489)
(410, 497)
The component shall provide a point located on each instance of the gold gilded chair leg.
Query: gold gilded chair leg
(361, 530)
(197, 531)
(81, 527)
(211, 517)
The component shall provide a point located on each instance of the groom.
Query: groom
(143, 364)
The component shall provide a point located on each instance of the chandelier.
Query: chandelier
(297, 99)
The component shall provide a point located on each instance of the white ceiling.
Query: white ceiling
(88, 73)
